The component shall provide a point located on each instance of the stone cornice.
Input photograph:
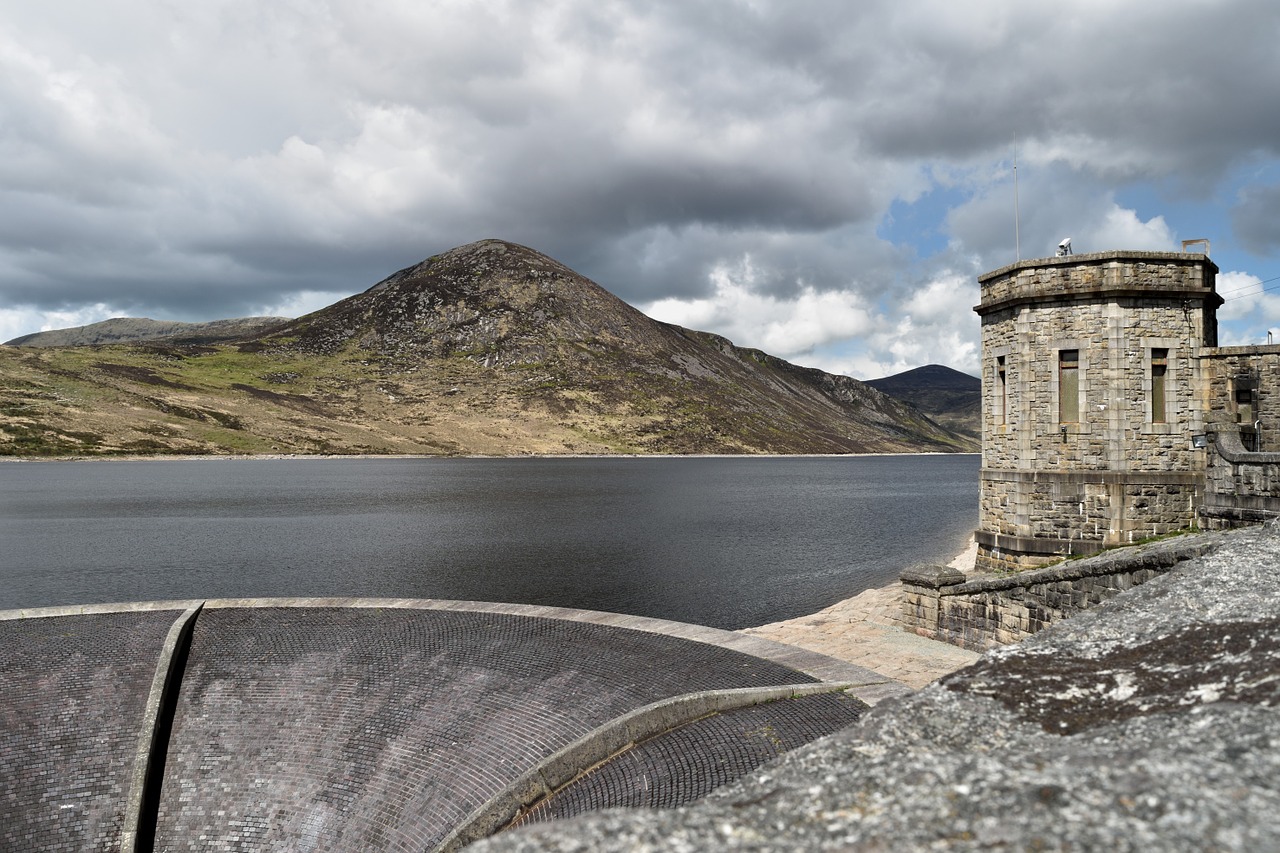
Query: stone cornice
(1099, 258)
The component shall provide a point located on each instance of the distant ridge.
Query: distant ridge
(489, 348)
(936, 376)
(120, 330)
(946, 395)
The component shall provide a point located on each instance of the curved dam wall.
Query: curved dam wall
(73, 699)
(385, 725)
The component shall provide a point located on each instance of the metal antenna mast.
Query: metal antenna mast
(1017, 237)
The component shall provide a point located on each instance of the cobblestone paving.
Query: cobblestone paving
(72, 694)
(690, 762)
(356, 729)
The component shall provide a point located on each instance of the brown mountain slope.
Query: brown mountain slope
(511, 309)
(120, 330)
(490, 348)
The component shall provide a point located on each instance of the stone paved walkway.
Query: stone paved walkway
(867, 630)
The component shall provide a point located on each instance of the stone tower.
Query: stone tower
(1090, 375)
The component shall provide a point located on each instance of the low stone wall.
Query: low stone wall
(981, 612)
(1241, 487)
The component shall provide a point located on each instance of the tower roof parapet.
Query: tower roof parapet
(1111, 274)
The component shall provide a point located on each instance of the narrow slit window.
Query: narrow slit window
(1069, 386)
(1159, 372)
(1002, 394)
(1244, 405)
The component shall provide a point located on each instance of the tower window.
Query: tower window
(1002, 392)
(1159, 370)
(1244, 405)
(1069, 386)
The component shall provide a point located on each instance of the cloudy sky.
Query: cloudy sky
(823, 180)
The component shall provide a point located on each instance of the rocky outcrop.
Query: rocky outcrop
(1150, 723)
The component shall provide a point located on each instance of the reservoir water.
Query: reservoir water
(727, 542)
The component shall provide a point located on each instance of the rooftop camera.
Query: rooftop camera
(1064, 248)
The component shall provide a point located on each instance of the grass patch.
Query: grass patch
(228, 420)
(1173, 534)
(37, 439)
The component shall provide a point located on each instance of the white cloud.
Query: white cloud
(903, 347)
(835, 330)
(789, 328)
(1123, 229)
(298, 303)
(944, 301)
(936, 325)
(1249, 311)
(16, 322)
(1243, 296)
(212, 160)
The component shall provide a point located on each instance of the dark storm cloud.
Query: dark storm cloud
(214, 159)
(1112, 88)
(1256, 218)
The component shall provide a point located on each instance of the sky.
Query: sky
(821, 180)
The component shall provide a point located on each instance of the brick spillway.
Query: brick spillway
(387, 726)
(72, 697)
(691, 761)
(351, 729)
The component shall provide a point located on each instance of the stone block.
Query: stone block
(932, 577)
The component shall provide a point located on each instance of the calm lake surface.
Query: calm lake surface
(723, 542)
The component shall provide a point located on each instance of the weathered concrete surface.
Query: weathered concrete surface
(867, 630)
(1151, 723)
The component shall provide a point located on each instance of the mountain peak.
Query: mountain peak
(495, 301)
(929, 376)
(951, 398)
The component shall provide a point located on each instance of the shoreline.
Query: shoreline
(277, 457)
(866, 629)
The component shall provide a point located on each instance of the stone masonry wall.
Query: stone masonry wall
(1120, 471)
(1073, 508)
(982, 612)
(1100, 272)
(1116, 430)
(1114, 342)
(1241, 487)
(1254, 371)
